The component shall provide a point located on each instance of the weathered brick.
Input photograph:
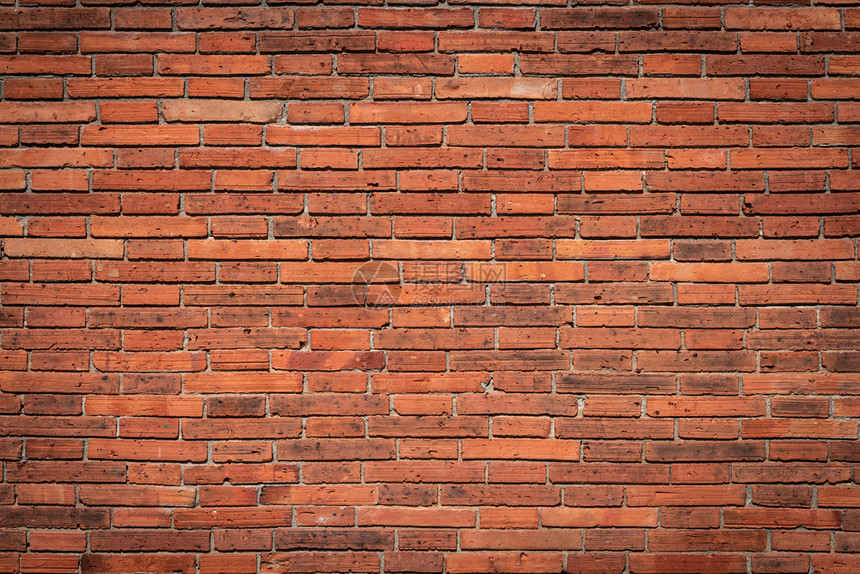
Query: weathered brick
(468, 288)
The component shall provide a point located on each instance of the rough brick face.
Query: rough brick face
(495, 286)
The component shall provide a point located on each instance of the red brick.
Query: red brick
(102, 495)
(135, 18)
(694, 88)
(395, 41)
(774, 112)
(234, 18)
(633, 112)
(760, 517)
(298, 87)
(47, 42)
(117, 563)
(395, 64)
(485, 64)
(480, 41)
(34, 89)
(781, 19)
(136, 42)
(608, 17)
(676, 41)
(77, 65)
(146, 450)
(415, 517)
(117, 87)
(307, 562)
(467, 88)
(152, 135)
(219, 111)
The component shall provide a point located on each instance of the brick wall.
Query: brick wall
(471, 288)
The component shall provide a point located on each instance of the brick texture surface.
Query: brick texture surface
(390, 286)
